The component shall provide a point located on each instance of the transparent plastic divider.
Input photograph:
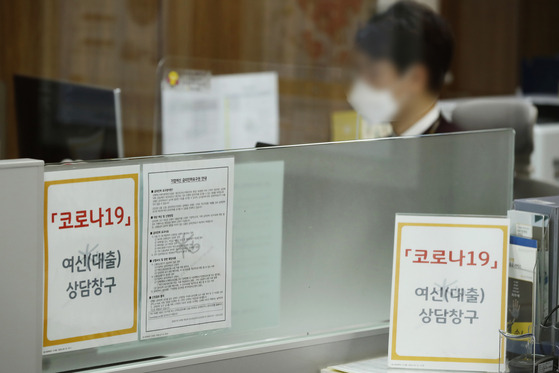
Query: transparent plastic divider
(308, 95)
(338, 203)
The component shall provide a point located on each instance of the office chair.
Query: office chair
(492, 113)
(530, 188)
(515, 113)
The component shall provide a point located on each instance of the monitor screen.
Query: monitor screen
(58, 121)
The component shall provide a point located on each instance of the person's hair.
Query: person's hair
(407, 33)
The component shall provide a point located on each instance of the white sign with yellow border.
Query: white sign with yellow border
(91, 258)
(449, 289)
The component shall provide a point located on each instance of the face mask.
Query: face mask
(374, 105)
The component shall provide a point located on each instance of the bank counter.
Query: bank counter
(312, 243)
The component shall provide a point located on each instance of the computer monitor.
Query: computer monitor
(58, 120)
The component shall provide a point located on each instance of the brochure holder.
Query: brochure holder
(517, 353)
(527, 347)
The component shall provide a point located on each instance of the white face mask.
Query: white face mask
(374, 105)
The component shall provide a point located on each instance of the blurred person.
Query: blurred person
(403, 55)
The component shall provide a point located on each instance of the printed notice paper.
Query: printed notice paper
(232, 111)
(522, 262)
(449, 292)
(91, 258)
(186, 249)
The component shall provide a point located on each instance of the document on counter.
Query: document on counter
(375, 365)
(186, 249)
(91, 258)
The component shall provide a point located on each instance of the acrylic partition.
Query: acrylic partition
(279, 104)
(313, 240)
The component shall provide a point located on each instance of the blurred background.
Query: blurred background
(500, 44)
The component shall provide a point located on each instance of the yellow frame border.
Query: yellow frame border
(47, 342)
(394, 355)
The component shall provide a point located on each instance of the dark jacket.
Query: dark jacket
(441, 125)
